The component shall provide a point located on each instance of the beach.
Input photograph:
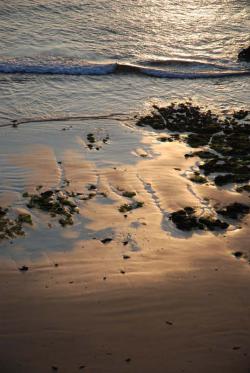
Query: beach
(124, 186)
(119, 291)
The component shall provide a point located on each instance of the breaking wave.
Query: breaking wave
(168, 69)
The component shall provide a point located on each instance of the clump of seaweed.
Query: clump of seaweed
(128, 194)
(10, 228)
(96, 143)
(186, 220)
(243, 188)
(196, 177)
(132, 206)
(55, 202)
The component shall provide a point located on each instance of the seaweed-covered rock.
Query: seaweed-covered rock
(234, 211)
(186, 220)
(243, 188)
(9, 228)
(55, 202)
(128, 207)
(231, 178)
(197, 178)
(227, 139)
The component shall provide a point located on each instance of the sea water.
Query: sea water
(78, 57)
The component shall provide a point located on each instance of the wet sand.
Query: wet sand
(154, 298)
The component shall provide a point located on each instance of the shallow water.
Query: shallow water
(168, 40)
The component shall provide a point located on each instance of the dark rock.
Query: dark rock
(55, 202)
(234, 211)
(243, 188)
(106, 240)
(169, 322)
(25, 218)
(23, 268)
(244, 54)
(128, 194)
(197, 178)
(186, 220)
(238, 254)
(126, 257)
(241, 114)
(128, 207)
(231, 178)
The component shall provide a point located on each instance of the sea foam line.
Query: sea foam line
(115, 68)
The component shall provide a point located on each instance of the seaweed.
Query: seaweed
(228, 138)
(9, 228)
(235, 210)
(186, 220)
(55, 202)
(128, 194)
(197, 178)
(129, 207)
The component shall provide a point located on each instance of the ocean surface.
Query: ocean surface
(63, 58)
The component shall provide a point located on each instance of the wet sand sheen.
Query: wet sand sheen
(178, 303)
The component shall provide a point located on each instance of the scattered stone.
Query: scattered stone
(106, 240)
(128, 360)
(128, 194)
(24, 218)
(54, 367)
(126, 257)
(236, 348)
(122, 272)
(23, 268)
(169, 322)
(125, 243)
(92, 187)
(91, 138)
(238, 254)
(164, 139)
